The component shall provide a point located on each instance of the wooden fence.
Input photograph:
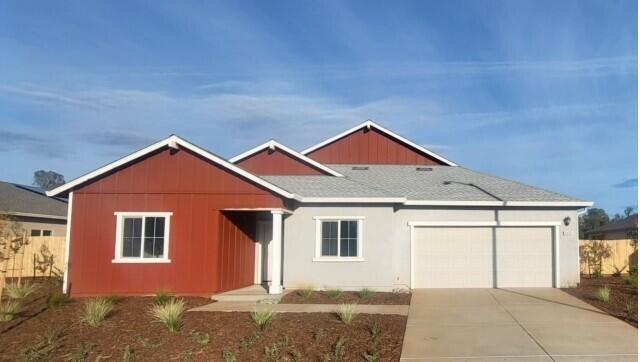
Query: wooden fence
(39, 256)
(623, 254)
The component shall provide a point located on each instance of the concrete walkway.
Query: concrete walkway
(534, 324)
(299, 308)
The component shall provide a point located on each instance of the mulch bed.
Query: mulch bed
(620, 295)
(131, 331)
(319, 297)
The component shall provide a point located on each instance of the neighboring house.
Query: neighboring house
(616, 230)
(366, 208)
(36, 213)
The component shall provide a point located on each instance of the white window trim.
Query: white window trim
(318, 254)
(119, 259)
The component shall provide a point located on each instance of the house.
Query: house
(616, 230)
(35, 213)
(366, 208)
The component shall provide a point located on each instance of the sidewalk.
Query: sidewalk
(299, 308)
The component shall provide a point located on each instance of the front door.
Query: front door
(263, 250)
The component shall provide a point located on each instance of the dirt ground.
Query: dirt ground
(130, 333)
(620, 296)
(319, 297)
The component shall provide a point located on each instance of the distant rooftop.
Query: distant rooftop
(23, 199)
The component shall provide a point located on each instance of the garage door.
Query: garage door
(462, 257)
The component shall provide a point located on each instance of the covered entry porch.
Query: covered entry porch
(264, 226)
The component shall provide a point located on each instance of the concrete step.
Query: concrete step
(252, 294)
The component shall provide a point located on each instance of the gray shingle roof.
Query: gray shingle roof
(436, 183)
(30, 200)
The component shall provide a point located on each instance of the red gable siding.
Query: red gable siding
(370, 146)
(276, 162)
(210, 250)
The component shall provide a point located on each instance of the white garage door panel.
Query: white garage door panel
(524, 257)
(462, 257)
(453, 257)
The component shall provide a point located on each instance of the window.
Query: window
(36, 232)
(142, 237)
(338, 238)
(46, 233)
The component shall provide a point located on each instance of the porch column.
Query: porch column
(276, 256)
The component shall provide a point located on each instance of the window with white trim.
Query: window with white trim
(142, 237)
(338, 238)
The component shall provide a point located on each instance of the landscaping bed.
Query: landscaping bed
(131, 333)
(623, 297)
(339, 297)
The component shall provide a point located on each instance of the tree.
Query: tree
(629, 210)
(47, 180)
(593, 218)
(592, 254)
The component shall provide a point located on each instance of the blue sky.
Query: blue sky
(543, 92)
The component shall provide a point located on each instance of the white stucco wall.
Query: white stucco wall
(386, 243)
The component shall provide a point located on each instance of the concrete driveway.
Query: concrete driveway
(529, 324)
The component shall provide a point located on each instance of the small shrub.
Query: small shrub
(630, 307)
(375, 330)
(200, 338)
(162, 298)
(631, 279)
(43, 348)
(334, 293)
(249, 341)
(305, 293)
(296, 356)
(340, 349)
(597, 272)
(603, 294)
(9, 309)
(81, 353)
(129, 354)
(96, 311)
(272, 352)
(318, 335)
(21, 290)
(228, 356)
(170, 314)
(58, 299)
(114, 299)
(347, 312)
(262, 318)
(371, 356)
(366, 293)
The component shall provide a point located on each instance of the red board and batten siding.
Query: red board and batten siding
(210, 250)
(370, 146)
(276, 162)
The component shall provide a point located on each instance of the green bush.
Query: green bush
(8, 310)
(97, 310)
(170, 314)
(262, 318)
(366, 293)
(305, 293)
(43, 348)
(347, 312)
(162, 297)
(334, 293)
(21, 290)
(57, 300)
(603, 294)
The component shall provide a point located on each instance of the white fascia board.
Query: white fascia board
(364, 200)
(550, 203)
(171, 141)
(452, 203)
(272, 144)
(370, 124)
(42, 216)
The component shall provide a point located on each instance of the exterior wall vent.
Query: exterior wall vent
(424, 169)
(360, 168)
